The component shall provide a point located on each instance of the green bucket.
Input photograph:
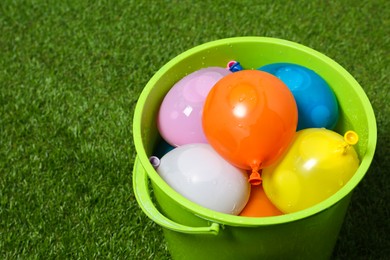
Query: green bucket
(195, 232)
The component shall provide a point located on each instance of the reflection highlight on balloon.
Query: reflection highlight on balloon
(317, 104)
(179, 118)
(318, 163)
(200, 174)
(249, 118)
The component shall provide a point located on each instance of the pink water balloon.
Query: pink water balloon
(180, 116)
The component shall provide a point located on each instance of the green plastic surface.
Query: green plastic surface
(141, 190)
(310, 233)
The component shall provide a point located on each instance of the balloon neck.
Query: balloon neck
(255, 177)
(350, 138)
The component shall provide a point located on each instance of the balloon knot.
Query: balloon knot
(230, 64)
(351, 137)
(154, 161)
(255, 178)
(234, 66)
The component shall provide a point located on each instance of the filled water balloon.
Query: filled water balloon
(259, 205)
(318, 163)
(317, 104)
(250, 118)
(201, 175)
(179, 119)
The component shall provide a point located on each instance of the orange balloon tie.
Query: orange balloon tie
(255, 177)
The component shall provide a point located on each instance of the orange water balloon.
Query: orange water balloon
(259, 205)
(250, 118)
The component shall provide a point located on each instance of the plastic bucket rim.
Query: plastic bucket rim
(233, 220)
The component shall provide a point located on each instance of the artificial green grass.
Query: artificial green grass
(70, 75)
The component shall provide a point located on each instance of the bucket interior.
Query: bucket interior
(253, 52)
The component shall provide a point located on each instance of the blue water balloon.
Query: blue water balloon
(162, 148)
(316, 102)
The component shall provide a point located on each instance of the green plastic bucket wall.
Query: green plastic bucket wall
(194, 232)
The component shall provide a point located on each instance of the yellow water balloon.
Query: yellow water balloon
(317, 164)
